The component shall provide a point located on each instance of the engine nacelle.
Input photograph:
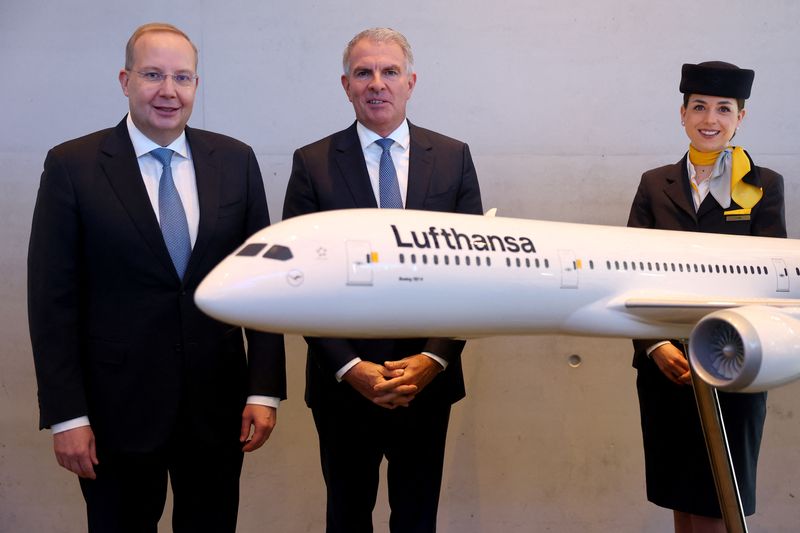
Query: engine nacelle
(746, 349)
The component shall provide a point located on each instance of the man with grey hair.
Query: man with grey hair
(137, 384)
(376, 398)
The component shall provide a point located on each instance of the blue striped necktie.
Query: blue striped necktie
(171, 215)
(388, 187)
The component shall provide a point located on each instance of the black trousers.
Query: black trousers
(129, 493)
(354, 441)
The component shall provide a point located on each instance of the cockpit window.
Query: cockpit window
(281, 253)
(252, 249)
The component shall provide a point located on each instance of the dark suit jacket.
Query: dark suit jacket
(332, 174)
(116, 334)
(664, 201)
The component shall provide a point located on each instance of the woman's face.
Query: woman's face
(711, 121)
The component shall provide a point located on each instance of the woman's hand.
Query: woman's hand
(672, 363)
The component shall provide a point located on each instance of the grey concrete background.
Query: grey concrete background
(564, 104)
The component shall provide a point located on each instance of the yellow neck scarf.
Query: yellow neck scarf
(703, 159)
(742, 193)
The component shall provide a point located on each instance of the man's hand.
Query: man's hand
(366, 376)
(418, 371)
(672, 363)
(75, 450)
(262, 420)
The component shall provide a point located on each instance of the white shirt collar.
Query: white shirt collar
(401, 135)
(143, 145)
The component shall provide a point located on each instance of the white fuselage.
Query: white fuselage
(393, 273)
(398, 273)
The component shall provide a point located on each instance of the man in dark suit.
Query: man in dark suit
(135, 382)
(354, 385)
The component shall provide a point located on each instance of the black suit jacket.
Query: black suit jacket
(332, 174)
(664, 201)
(116, 334)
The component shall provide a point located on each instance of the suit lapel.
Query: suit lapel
(208, 176)
(349, 159)
(420, 168)
(678, 189)
(118, 161)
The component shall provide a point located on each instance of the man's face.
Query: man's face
(379, 85)
(160, 109)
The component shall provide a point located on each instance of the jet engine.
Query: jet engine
(747, 349)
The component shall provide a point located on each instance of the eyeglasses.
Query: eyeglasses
(184, 80)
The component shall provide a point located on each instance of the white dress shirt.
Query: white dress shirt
(184, 177)
(400, 157)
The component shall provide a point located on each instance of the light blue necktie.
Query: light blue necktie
(388, 188)
(171, 214)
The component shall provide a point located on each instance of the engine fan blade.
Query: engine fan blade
(726, 351)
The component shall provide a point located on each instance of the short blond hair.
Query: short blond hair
(149, 28)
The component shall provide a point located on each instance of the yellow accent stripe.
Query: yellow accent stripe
(745, 211)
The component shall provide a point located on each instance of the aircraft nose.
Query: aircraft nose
(213, 296)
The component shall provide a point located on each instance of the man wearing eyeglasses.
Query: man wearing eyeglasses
(135, 382)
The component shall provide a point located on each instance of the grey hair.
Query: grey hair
(379, 35)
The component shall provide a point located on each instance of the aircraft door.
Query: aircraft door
(569, 269)
(359, 254)
(782, 275)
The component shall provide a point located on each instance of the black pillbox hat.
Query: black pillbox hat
(716, 78)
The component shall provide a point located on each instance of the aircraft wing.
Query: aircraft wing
(690, 309)
(736, 344)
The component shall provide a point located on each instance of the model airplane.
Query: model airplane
(404, 273)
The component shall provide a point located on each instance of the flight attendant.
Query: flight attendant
(715, 188)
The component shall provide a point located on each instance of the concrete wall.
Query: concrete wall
(564, 104)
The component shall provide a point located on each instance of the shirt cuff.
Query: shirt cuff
(269, 401)
(437, 359)
(342, 371)
(70, 424)
(652, 348)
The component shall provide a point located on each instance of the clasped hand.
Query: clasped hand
(672, 363)
(394, 383)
